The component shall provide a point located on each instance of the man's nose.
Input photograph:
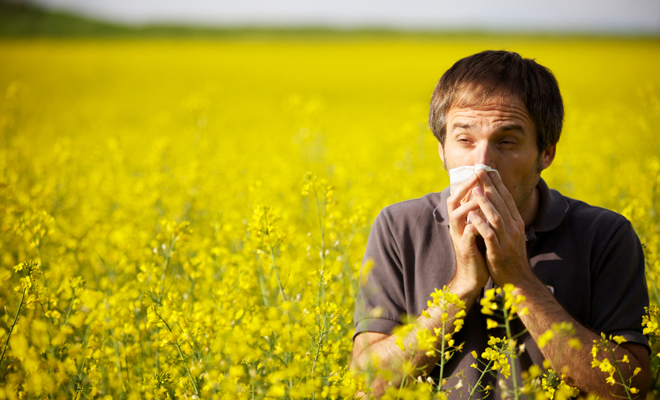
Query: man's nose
(484, 154)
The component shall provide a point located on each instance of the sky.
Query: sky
(635, 16)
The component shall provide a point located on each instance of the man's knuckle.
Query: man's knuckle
(489, 235)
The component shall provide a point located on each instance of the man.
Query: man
(572, 262)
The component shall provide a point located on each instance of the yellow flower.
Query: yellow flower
(425, 341)
(619, 339)
(575, 343)
(256, 301)
(606, 366)
(545, 338)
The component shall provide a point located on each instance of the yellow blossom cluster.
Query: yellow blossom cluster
(565, 331)
(504, 300)
(187, 219)
(413, 339)
(495, 353)
(555, 386)
(609, 364)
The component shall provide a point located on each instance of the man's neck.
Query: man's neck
(530, 207)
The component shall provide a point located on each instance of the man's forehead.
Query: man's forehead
(503, 112)
(476, 98)
(504, 104)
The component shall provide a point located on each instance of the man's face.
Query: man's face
(501, 134)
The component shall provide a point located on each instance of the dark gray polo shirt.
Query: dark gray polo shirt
(590, 256)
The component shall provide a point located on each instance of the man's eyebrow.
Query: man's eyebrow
(511, 127)
(462, 125)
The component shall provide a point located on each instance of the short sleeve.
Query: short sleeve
(381, 299)
(619, 291)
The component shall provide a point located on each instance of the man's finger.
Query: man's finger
(458, 216)
(470, 235)
(496, 194)
(486, 232)
(490, 213)
(494, 177)
(460, 192)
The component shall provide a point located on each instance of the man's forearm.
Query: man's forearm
(544, 311)
(390, 356)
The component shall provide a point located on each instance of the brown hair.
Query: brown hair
(475, 79)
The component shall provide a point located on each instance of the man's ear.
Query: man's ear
(548, 155)
(441, 150)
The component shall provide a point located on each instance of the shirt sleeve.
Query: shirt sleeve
(619, 292)
(380, 302)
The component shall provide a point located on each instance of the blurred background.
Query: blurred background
(560, 16)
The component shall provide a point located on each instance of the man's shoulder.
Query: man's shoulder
(573, 218)
(593, 226)
(587, 215)
(411, 210)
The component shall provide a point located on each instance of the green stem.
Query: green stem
(320, 213)
(655, 379)
(20, 305)
(478, 384)
(442, 356)
(183, 359)
(649, 278)
(252, 387)
(170, 247)
(511, 359)
(346, 264)
(128, 371)
(68, 313)
(318, 350)
(43, 276)
(118, 362)
(260, 277)
(616, 365)
(321, 291)
(279, 282)
(403, 383)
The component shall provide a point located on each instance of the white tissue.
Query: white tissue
(460, 174)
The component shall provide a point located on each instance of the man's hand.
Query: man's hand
(471, 272)
(502, 228)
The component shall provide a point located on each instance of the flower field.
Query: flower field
(187, 218)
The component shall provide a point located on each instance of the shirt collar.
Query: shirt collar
(552, 209)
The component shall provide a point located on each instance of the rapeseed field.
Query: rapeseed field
(187, 219)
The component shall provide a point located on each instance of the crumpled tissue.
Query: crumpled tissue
(460, 174)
